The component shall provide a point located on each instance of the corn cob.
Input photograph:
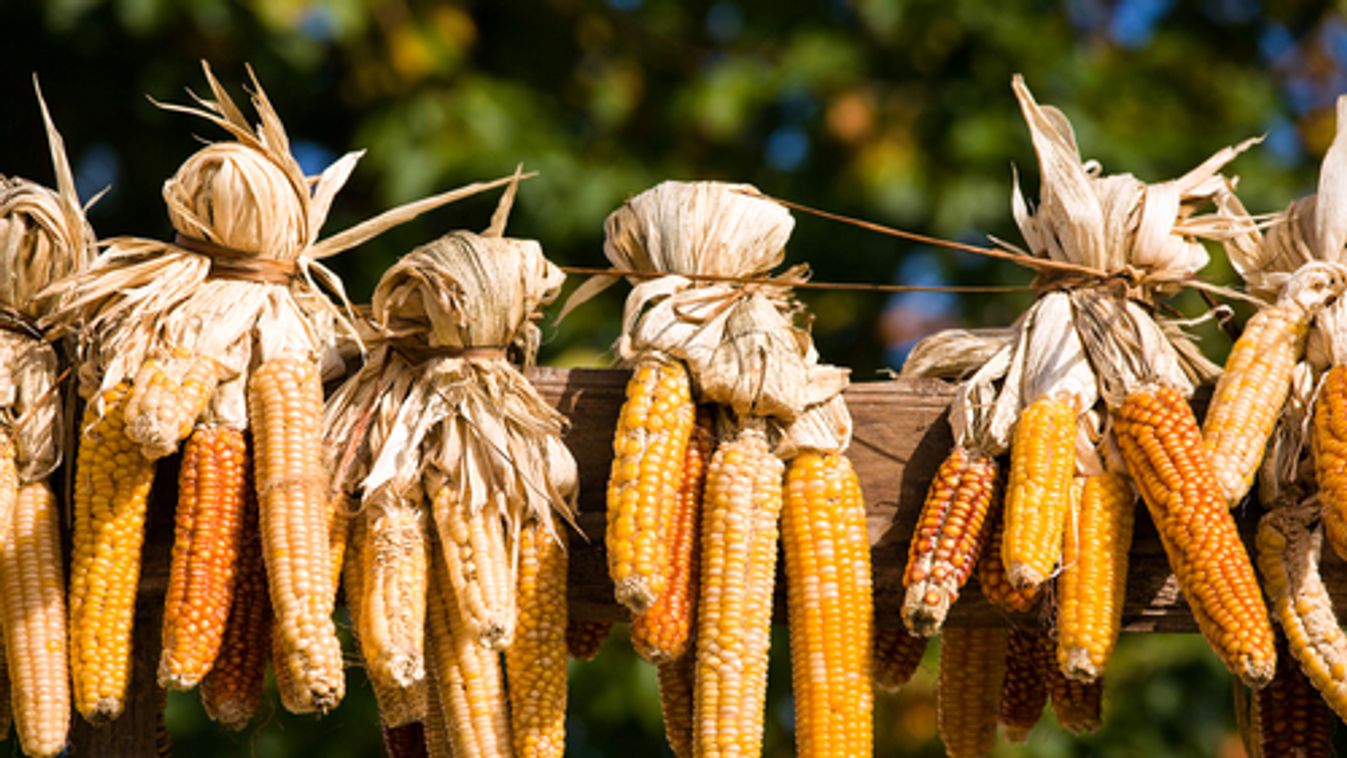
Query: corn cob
(1042, 464)
(1289, 550)
(1077, 704)
(741, 507)
(535, 664)
(285, 405)
(212, 480)
(1329, 441)
(1162, 445)
(653, 429)
(897, 655)
(972, 667)
(478, 561)
(991, 573)
(1250, 394)
(585, 638)
(677, 684)
(827, 550)
(392, 606)
(948, 538)
(112, 484)
(32, 601)
(435, 725)
(231, 691)
(1093, 582)
(406, 741)
(1024, 692)
(399, 703)
(161, 410)
(662, 632)
(9, 476)
(466, 677)
(6, 704)
(1290, 718)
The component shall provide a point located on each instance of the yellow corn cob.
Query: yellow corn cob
(972, 667)
(1289, 550)
(231, 691)
(662, 632)
(992, 579)
(435, 724)
(112, 484)
(1093, 582)
(478, 561)
(1025, 689)
(1077, 704)
(285, 406)
(32, 601)
(1290, 718)
(585, 638)
(648, 452)
(466, 677)
(406, 741)
(212, 480)
(1162, 445)
(1042, 464)
(827, 550)
(740, 510)
(1329, 440)
(1250, 394)
(398, 704)
(947, 538)
(9, 476)
(392, 606)
(897, 655)
(535, 664)
(677, 682)
(161, 410)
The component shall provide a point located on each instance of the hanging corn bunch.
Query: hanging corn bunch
(446, 438)
(1108, 250)
(219, 331)
(734, 345)
(43, 237)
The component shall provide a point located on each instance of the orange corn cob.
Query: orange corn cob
(1250, 394)
(112, 484)
(1093, 583)
(948, 538)
(400, 702)
(741, 507)
(32, 601)
(585, 638)
(827, 550)
(285, 405)
(1289, 550)
(1024, 692)
(232, 691)
(535, 664)
(1042, 464)
(676, 687)
(1077, 704)
(972, 667)
(992, 580)
(1329, 441)
(209, 524)
(466, 677)
(661, 633)
(161, 410)
(1162, 445)
(1290, 717)
(897, 655)
(649, 447)
(478, 561)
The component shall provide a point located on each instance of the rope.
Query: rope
(232, 263)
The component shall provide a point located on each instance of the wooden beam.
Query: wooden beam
(901, 436)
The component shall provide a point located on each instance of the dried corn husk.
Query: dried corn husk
(442, 389)
(43, 237)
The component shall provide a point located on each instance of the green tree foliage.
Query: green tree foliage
(895, 111)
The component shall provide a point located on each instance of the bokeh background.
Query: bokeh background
(899, 112)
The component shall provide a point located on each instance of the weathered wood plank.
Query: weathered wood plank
(901, 435)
